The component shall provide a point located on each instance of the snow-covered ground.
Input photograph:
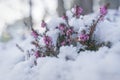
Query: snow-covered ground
(103, 64)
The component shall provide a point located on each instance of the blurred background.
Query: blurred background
(18, 16)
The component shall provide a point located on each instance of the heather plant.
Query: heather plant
(67, 36)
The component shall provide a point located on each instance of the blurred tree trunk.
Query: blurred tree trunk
(114, 4)
(87, 5)
(60, 8)
(30, 13)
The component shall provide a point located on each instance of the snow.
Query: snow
(66, 54)
(12, 10)
(88, 65)
(53, 35)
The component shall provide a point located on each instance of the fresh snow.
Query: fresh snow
(103, 64)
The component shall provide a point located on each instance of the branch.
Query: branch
(19, 48)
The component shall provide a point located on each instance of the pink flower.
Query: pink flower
(61, 27)
(78, 10)
(103, 10)
(65, 17)
(47, 40)
(84, 37)
(69, 32)
(63, 43)
(37, 54)
(43, 24)
(34, 34)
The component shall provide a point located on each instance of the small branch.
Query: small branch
(93, 27)
(19, 48)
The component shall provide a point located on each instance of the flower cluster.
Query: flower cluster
(43, 24)
(69, 31)
(37, 54)
(34, 34)
(62, 27)
(67, 35)
(103, 10)
(65, 17)
(77, 11)
(84, 37)
(47, 41)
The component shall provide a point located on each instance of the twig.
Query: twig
(19, 48)
(93, 27)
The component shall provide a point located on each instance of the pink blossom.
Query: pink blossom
(78, 10)
(62, 27)
(84, 37)
(43, 24)
(103, 10)
(63, 43)
(65, 17)
(69, 32)
(37, 54)
(47, 40)
(34, 34)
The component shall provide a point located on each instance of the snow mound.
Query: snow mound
(103, 64)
